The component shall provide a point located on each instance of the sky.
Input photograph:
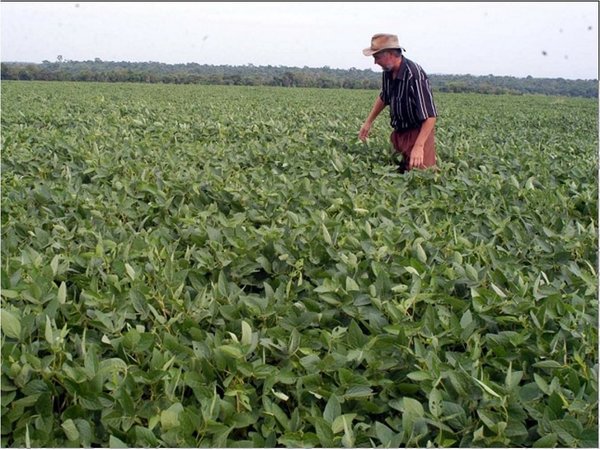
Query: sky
(542, 40)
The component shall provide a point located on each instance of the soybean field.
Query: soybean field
(227, 266)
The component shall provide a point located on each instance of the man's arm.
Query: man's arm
(378, 106)
(416, 154)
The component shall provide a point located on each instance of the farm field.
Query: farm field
(224, 266)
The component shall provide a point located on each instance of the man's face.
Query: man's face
(384, 59)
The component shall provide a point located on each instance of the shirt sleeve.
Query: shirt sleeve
(382, 97)
(424, 104)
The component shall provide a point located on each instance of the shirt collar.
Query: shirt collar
(403, 74)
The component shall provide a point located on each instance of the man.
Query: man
(406, 90)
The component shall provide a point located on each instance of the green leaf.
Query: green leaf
(126, 403)
(326, 235)
(310, 362)
(486, 388)
(548, 441)
(115, 442)
(280, 415)
(358, 391)
(567, 427)
(62, 293)
(9, 293)
(169, 418)
(294, 342)
(542, 384)
(85, 432)
(548, 364)
(90, 363)
(220, 433)
(421, 255)
(323, 429)
(332, 409)
(513, 378)
(530, 392)
(413, 407)
(130, 271)
(280, 395)
(111, 367)
(498, 291)
(466, 319)
(385, 435)
(232, 351)
(48, 333)
(348, 439)
(54, 264)
(246, 333)
(70, 430)
(222, 284)
(131, 339)
(243, 420)
(145, 437)
(351, 285)
(419, 375)
(342, 422)
(412, 270)
(11, 325)
(489, 418)
(471, 272)
(356, 337)
(435, 403)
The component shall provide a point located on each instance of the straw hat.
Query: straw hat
(381, 42)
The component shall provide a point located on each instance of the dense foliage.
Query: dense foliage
(206, 266)
(249, 75)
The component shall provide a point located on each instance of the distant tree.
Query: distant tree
(250, 75)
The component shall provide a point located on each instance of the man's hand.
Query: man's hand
(363, 134)
(416, 157)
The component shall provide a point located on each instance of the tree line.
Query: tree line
(250, 75)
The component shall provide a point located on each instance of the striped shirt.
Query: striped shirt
(409, 96)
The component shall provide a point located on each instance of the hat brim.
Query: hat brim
(370, 52)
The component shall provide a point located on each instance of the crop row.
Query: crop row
(188, 266)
